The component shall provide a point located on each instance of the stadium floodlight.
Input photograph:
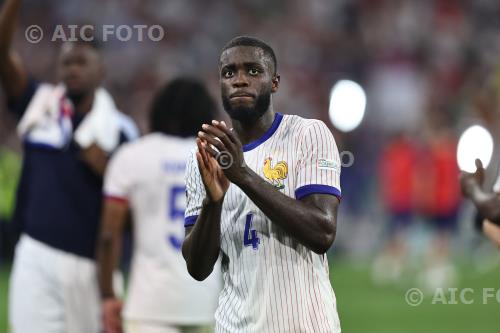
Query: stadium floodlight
(475, 142)
(347, 105)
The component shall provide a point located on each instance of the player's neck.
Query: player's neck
(83, 104)
(251, 132)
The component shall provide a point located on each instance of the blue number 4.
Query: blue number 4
(250, 235)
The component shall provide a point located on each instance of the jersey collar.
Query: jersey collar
(274, 126)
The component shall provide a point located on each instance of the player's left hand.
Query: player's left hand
(470, 180)
(228, 152)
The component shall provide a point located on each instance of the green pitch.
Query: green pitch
(365, 308)
(4, 279)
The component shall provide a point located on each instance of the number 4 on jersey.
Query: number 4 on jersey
(250, 235)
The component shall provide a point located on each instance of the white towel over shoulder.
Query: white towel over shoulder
(47, 120)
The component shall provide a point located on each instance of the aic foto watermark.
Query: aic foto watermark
(73, 32)
(451, 296)
(225, 160)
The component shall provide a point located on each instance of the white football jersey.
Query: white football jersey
(272, 283)
(149, 174)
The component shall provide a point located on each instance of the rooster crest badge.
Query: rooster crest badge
(277, 173)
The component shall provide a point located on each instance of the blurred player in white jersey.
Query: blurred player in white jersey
(264, 195)
(148, 178)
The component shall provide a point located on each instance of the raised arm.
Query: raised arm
(13, 75)
(487, 203)
(201, 245)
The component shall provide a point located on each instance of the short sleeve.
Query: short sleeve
(195, 191)
(118, 178)
(318, 169)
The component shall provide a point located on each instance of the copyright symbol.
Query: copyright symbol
(225, 160)
(33, 34)
(414, 297)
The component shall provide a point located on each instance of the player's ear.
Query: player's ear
(276, 83)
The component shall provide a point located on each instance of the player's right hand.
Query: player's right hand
(216, 183)
(111, 315)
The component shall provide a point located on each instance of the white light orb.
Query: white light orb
(347, 105)
(475, 142)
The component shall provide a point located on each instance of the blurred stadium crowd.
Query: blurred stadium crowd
(420, 62)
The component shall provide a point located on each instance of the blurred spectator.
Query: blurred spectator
(397, 171)
(439, 199)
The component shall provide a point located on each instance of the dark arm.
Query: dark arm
(12, 74)
(488, 204)
(492, 231)
(312, 220)
(113, 220)
(96, 158)
(201, 245)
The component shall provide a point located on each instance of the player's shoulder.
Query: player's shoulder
(298, 125)
(131, 146)
(134, 148)
(294, 120)
(158, 140)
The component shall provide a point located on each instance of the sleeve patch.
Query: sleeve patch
(327, 164)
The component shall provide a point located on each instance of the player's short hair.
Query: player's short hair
(181, 107)
(255, 42)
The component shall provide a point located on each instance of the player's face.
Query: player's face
(247, 80)
(80, 69)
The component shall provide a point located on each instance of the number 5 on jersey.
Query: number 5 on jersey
(250, 235)
(176, 213)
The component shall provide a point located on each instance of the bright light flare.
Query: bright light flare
(347, 105)
(475, 142)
